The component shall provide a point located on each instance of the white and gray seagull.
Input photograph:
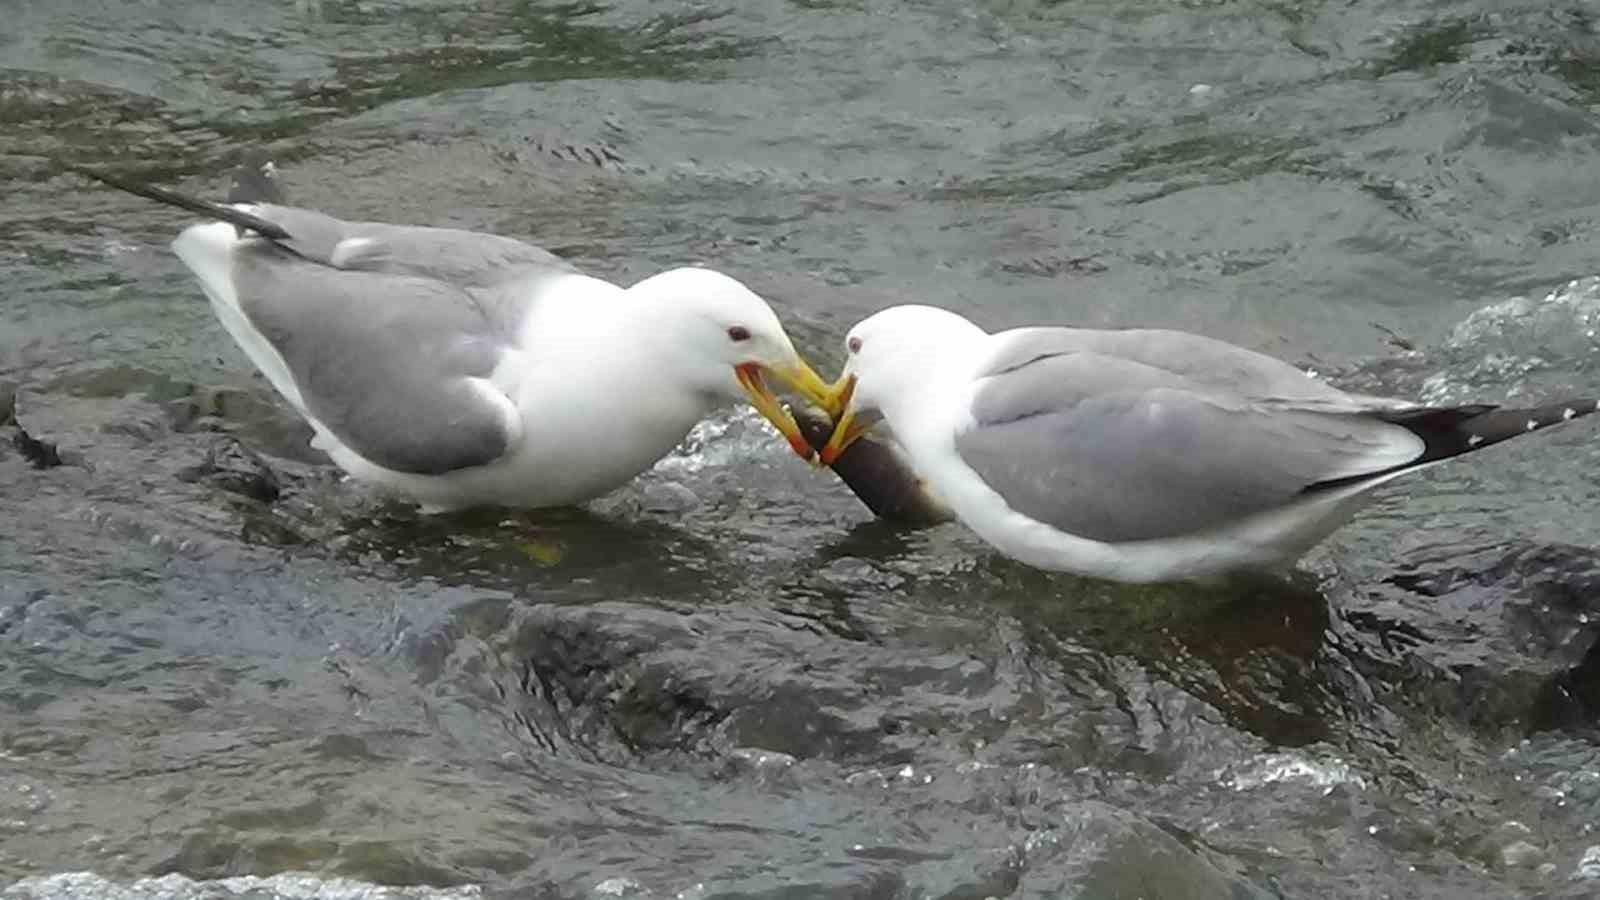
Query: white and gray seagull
(466, 369)
(1138, 455)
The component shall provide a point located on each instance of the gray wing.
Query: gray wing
(386, 361)
(467, 258)
(1115, 449)
(387, 331)
(1203, 362)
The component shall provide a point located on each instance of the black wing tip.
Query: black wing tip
(1451, 431)
(236, 217)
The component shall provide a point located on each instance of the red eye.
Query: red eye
(739, 333)
(854, 344)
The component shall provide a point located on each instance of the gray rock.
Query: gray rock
(233, 467)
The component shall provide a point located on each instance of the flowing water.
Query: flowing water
(227, 672)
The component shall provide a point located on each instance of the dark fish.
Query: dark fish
(876, 470)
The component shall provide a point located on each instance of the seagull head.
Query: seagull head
(733, 343)
(889, 354)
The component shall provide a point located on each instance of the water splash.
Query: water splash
(285, 886)
(1505, 349)
(739, 436)
(1292, 768)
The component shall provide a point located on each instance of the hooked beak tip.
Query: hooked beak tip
(839, 395)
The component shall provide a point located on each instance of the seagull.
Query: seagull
(1138, 455)
(463, 369)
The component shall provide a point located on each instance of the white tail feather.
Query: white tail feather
(208, 252)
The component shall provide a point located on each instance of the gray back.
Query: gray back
(1201, 361)
(1117, 449)
(382, 360)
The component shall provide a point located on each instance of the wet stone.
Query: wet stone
(1588, 865)
(144, 429)
(619, 887)
(8, 403)
(854, 572)
(20, 800)
(235, 468)
(1096, 850)
(756, 760)
(1520, 855)
(1570, 700)
(1540, 598)
(41, 454)
(669, 497)
(205, 406)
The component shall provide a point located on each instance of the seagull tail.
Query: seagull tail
(232, 215)
(1449, 431)
(1452, 431)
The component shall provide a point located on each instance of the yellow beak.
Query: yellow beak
(798, 375)
(848, 425)
(836, 397)
(805, 381)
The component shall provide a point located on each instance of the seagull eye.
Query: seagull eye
(738, 333)
(854, 344)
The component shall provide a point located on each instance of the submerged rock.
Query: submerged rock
(1570, 700)
(42, 454)
(1097, 850)
(1503, 638)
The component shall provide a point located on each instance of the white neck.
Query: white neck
(639, 329)
(915, 387)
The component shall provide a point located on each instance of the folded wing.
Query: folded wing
(1118, 449)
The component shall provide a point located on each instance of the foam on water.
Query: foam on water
(1570, 312)
(1564, 773)
(1589, 866)
(1499, 351)
(1294, 768)
(730, 438)
(284, 886)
